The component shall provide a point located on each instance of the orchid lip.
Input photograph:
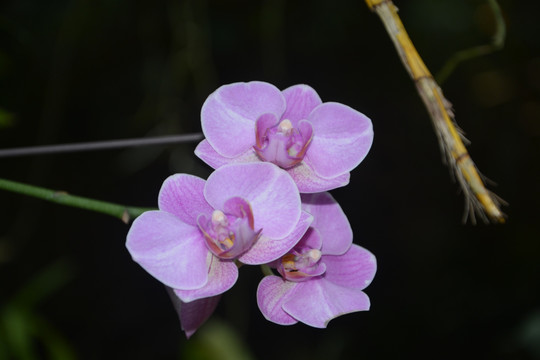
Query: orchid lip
(301, 264)
(282, 143)
(231, 232)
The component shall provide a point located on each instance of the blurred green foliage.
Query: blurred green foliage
(24, 333)
(216, 340)
(6, 119)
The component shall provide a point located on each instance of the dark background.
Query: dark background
(81, 70)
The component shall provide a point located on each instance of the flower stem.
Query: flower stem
(497, 43)
(266, 270)
(122, 212)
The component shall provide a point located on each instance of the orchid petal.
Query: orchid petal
(317, 301)
(330, 220)
(270, 191)
(206, 153)
(312, 239)
(266, 249)
(168, 249)
(222, 275)
(272, 292)
(228, 115)
(182, 195)
(301, 100)
(308, 181)
(195, 313)
(355, 269)
(341, 134)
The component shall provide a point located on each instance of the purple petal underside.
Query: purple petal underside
(222, 276)
(342, 139)
(193, 314)
(312, 239)
(270, 191)
(355, 269)
(168, 249)
(266, 249)
(272, 292)
(316, 302)
(331, 222)
(308, 181)
(206, 153)
(182, 195)
(228, 115)
(301, 100)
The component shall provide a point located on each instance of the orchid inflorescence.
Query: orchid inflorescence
(275, 154)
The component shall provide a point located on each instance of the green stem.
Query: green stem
(122, 212)
(497, 43)
(266, 270)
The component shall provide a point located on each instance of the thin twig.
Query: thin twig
(100, 145)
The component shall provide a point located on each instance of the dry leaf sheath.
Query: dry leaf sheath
(478, 200)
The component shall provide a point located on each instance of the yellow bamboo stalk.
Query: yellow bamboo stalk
(478, 200)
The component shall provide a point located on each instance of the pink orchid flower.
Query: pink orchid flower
(317, 143)
(244, 212)
(323, 276)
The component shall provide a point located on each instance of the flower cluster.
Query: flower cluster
(275, 154)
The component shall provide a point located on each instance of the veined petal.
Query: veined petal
(228, 115)
(270, 191)
(206, 153)
(316, 302)
(342, 139)
(331, 222)
(308, 181)
(301, 100)
(182, 195)
(272, 292)
(222, 276)
(168, 249)
(354, 269)
(193, 314)
(266, 249)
